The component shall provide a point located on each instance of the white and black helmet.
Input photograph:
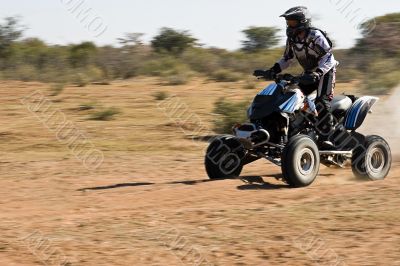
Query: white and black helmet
(301, 15)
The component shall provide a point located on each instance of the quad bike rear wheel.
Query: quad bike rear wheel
(373, 159)
(224, 158)
(300, 161)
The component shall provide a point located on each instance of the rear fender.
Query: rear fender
(358, 112)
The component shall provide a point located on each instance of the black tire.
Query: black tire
(300, 161)
(373, 159)
(224, 158)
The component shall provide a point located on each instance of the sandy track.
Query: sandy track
(129, 221)
(160, 209)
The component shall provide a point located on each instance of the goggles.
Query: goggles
(292, 23)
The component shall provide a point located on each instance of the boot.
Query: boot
(326, 129)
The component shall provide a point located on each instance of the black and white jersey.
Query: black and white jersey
(312, 53)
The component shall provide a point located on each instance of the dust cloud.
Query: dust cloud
(384, 121)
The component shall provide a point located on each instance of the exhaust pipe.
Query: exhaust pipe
(256, 139)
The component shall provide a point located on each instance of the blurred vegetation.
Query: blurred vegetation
(377, 53)
(260, 38)
(160, 95)
(175, 56)
(57, 89)
(224, 75)
(105, 114)
(87, 106)
(172, 41)
(228, 114)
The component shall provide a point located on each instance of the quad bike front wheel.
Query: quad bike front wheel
(373, 159)
(300, 161)
(224, 158)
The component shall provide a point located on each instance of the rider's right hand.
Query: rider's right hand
(267, 74)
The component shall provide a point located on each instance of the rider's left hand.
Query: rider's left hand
(311, 78)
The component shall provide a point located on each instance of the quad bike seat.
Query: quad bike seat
(341, 103)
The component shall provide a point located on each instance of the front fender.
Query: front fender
(358, 111)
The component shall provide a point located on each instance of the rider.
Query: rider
(313, 50)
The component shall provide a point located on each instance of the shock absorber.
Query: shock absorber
(285, 129)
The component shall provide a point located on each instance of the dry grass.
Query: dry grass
(151, 168)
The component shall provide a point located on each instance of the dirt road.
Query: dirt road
(156, 207)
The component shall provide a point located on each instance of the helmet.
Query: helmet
(299, 14)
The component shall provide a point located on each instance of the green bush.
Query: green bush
(249, 84)
(163, 66)
(57, 89)
(202, 60)
(178, 75)
(348, 75)
(177, 79)
(225, 76)
(229, 114)
(384, 75)
(383, 84)
(160, 96)
(105, 115)
(172, 41)
(24, 73)
(260, 38)
(81, 79)
(87, 106)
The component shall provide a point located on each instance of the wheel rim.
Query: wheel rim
(376, 160)
(305, 162)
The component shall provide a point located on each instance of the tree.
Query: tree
(172, 41)
(260, 38)
(10, 31)
(81, 54)
(381, 34)
(32, 51)
(131, 39)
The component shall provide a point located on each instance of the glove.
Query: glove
(267, 74)
(312, 77)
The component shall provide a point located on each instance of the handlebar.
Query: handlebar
(285, 77)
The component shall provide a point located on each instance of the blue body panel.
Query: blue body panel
(269, 90)
(289, 105)
(358, 111)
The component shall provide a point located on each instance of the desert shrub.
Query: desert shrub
(163, 66)
(94, 73)
(382, 84)
(27, 73)
(249, 84)
(81, 55)
(172, 41)
(246, 63)
(178, 75)
(201, 60)
(81, 79)
(57, 88)
(228, 114)
(348, 74)
(260, 38)
(105, 114)
(160, 95)
(87, 75)
(87, 106)
(177, 79)
(24, 73)
(225, 76)
(383, 75)
(56, 74)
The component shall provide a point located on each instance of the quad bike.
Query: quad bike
(284, 130)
